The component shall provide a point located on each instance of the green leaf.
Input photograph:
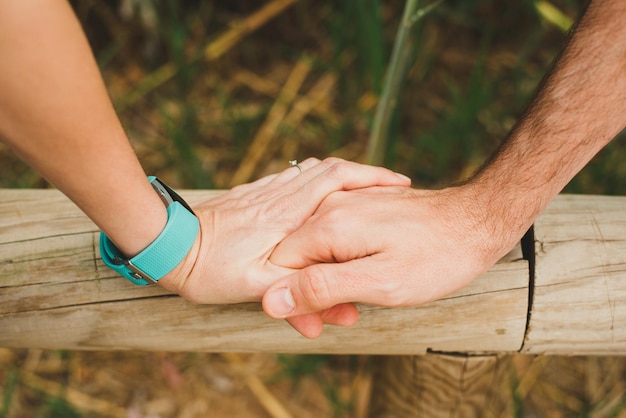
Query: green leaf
(553, 15)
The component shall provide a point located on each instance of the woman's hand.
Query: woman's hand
(239, 230)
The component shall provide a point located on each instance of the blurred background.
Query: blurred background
(214, 94)
(218, 93)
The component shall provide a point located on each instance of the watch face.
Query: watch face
(167, 194)
(164, 192)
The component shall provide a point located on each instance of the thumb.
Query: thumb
(319, 287)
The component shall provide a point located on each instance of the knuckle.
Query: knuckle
(316, 288)
(394, 293)
(338, 171)
(311, 161)
(337, 216)
(333, 160)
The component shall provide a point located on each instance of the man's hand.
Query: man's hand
(398, 247)
(388, 246)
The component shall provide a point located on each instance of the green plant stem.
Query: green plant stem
(396, 72)
(10, 384)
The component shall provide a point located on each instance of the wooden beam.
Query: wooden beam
(55, 293)
(445, 386)
(579, 295)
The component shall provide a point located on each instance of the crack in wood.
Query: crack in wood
(528, 251)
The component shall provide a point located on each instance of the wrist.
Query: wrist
(500, 213)
(125, 207)
(163, 255)
(175, 281)
(143, 230)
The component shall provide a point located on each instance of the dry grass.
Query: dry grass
(125, 385)
(198, 385)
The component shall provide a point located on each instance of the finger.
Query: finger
(301, 196)
(296, 196)
(296, 169)
(343, 315)
(309, 244)
(306, 164)
(282, 177)
(337, 174)
(334, 175)
(311, 325)
(276, 179)
(322, 286)
(265, 180)
(336, 233)
(258, 182)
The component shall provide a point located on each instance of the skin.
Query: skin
(55, 113)
(400, 247)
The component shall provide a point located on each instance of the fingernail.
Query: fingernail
(403, 177)
(280, 302)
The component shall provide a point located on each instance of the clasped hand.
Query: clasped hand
(309, 244)
(239, 230)
(387, 246)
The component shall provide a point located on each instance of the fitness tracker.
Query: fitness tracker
(166, 251)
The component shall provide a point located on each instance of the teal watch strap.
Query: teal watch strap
(166, 251)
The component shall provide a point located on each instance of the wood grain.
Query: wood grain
(446, 386)
(579, 298)
(55, 293)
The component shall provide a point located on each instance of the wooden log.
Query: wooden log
(436, 385)
(55, 293)
(579, 294)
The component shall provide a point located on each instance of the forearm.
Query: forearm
(56, 114)
(577, 111)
